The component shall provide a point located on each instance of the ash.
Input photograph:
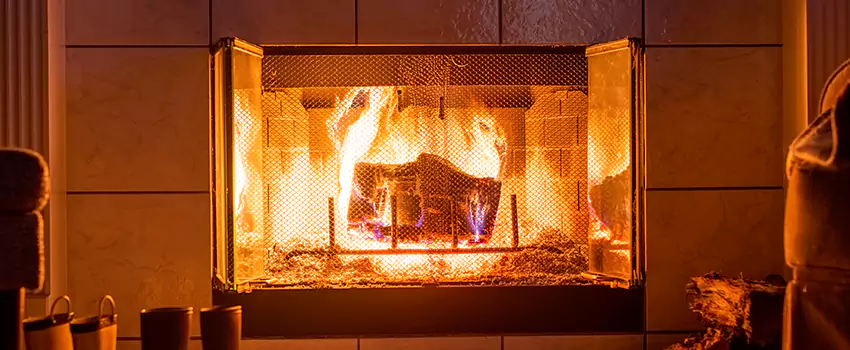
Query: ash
(560, 262)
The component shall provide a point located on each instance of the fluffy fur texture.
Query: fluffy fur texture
(21, 250)
(24, 181)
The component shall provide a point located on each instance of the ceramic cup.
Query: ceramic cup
(166, 328)
(221, 327)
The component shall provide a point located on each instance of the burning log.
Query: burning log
(611, 202)
(433, 197)
(744, 314)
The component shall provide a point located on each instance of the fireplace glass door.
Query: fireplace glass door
(340, 167)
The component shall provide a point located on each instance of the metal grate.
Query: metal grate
(416, 169)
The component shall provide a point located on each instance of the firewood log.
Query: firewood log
(749, 309)
(431, 195)
(611, 202)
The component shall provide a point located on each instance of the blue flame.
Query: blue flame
(475, 219)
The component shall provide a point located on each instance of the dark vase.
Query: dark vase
(166, 328)
(221, 327)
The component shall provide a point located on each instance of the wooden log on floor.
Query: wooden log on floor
(748, 309)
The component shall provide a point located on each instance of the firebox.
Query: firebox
(383, 168)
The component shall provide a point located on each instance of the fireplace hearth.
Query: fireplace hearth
(352, 176)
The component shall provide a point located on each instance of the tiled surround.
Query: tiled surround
(300, 344)
(428, 22)
(693, 232)
(603, 342)
(714, 149)
(713, 117)
(611, 342)
(145, 250)
(447, 343)
(138, 119)
(662, 341)
(713, 22)
(569, 21)
(137, 22)
(138, 216)
(284, 22)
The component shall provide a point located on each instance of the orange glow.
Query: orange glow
(353, 141)
(377, 132)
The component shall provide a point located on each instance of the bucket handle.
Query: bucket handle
(106, 300)
(67, 300)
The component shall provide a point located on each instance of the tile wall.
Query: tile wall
(137, 114)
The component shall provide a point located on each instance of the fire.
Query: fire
(247, 165)
(353, 141)
(470, 138)
(367, 126)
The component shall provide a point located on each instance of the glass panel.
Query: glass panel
(248, 189)
(611, 99)
(220, 169)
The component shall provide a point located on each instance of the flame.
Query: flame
(357, 138)
(366, 126)
(247, 166)
(378, 133)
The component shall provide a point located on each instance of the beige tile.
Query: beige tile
(137, 345)
(137, 22)
(145, 250)
(138, 119)
(714, 21)
(575, 342)
(569, 21)
(663, 341)
(300, 344)
(428, 22)
(444, 343)
(690, 233)
(713, 117)
(284, 22)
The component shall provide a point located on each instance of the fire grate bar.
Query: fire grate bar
(441, 251)
(394, 250)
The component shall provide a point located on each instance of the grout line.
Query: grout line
(139, 338)
(356, 42)
(136, 46)
(719, 45)
(70, 193)
(358, 339)
(210, 22)
(643, 20)
(502, 338)
(675, 332)
(500, 23)
(731, 188)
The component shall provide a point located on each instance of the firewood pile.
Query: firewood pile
(740, 314)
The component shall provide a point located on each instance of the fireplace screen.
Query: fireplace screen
(347, 167)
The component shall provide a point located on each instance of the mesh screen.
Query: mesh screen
(416, 169)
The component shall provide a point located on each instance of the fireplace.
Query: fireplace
(385, 175)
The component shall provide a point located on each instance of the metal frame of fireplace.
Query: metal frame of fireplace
(611, 304)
